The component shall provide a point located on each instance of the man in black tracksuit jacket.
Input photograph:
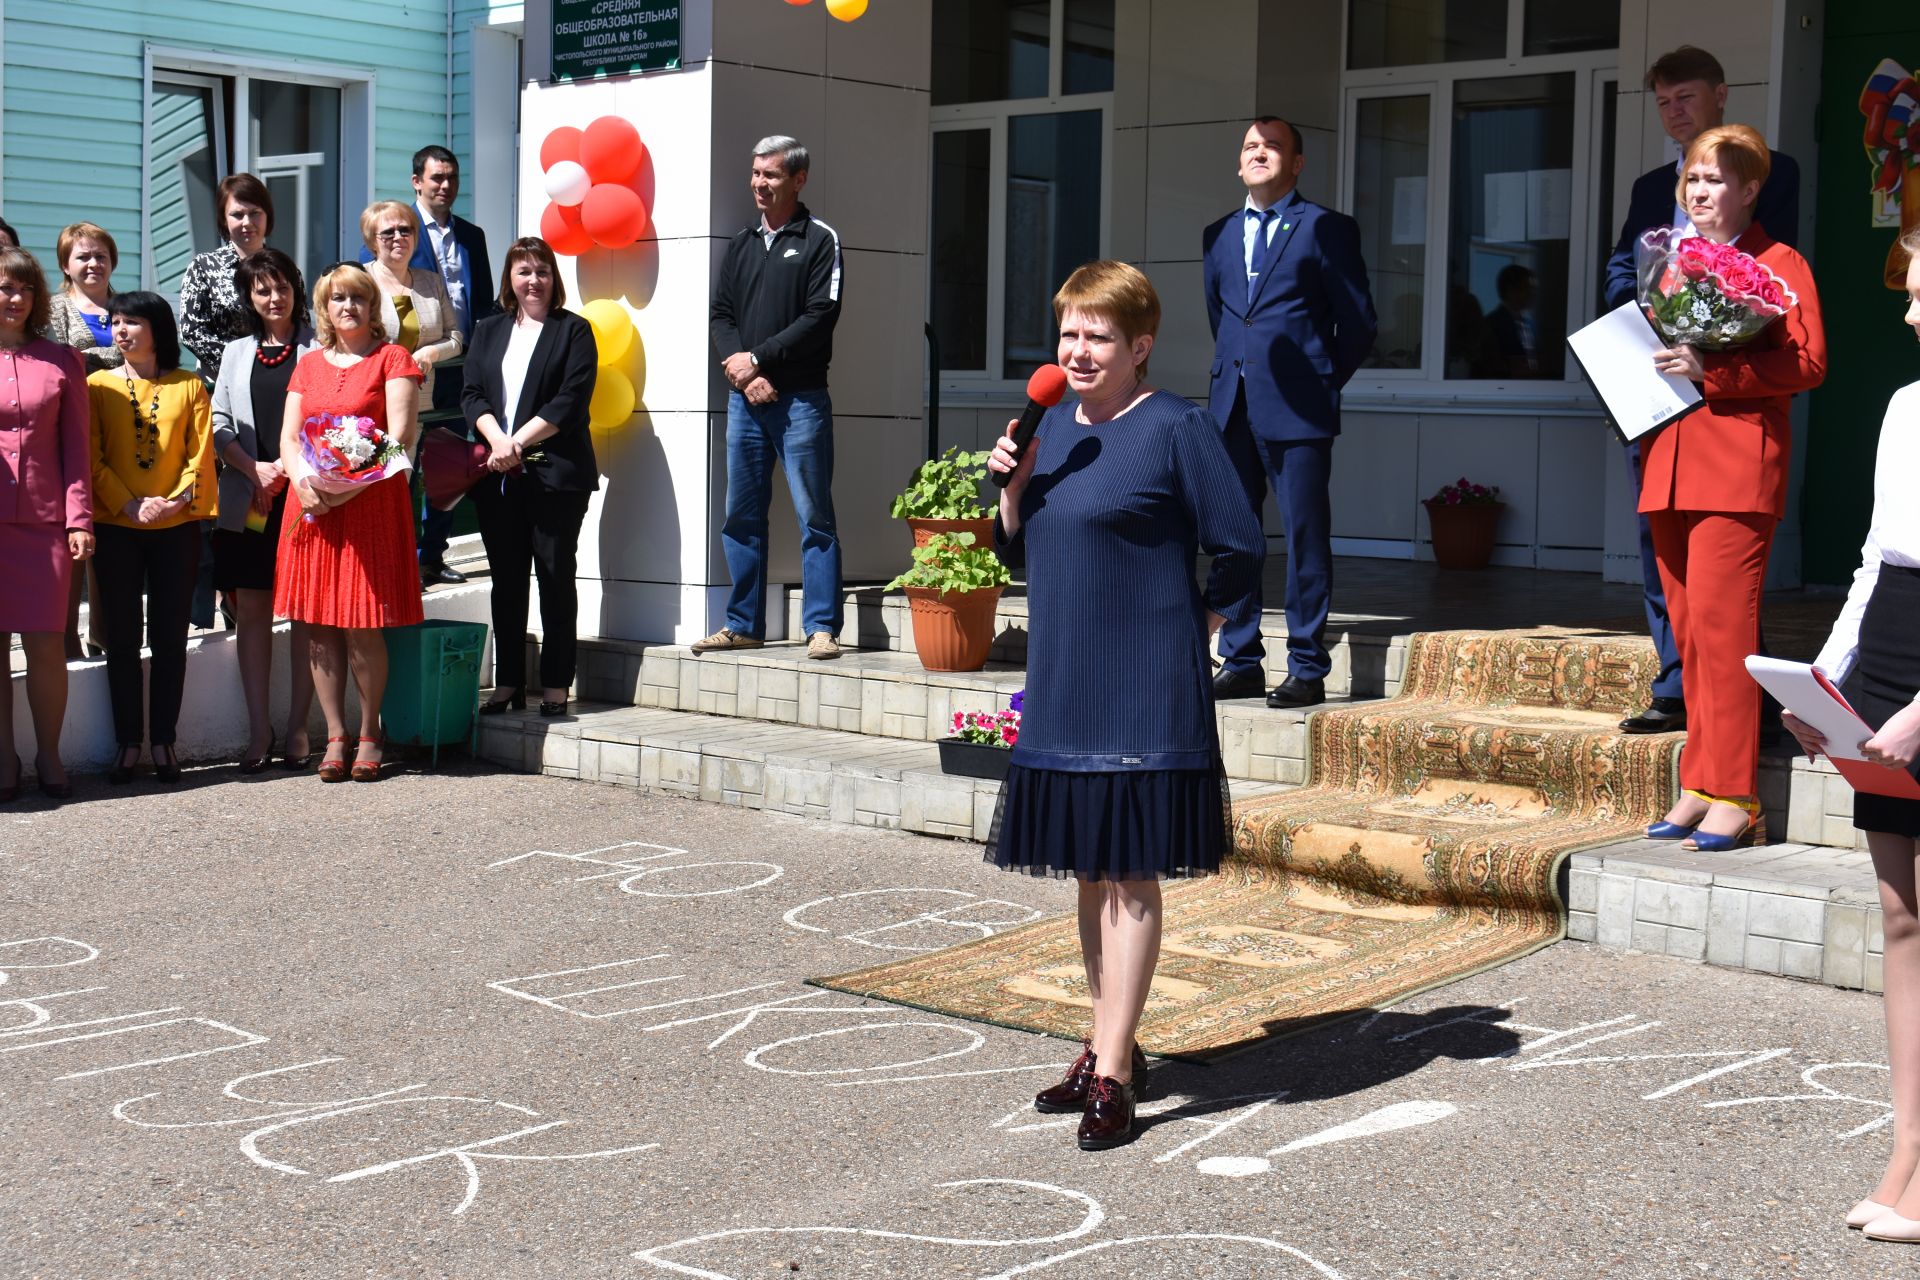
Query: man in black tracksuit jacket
(774, 308)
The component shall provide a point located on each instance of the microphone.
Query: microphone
(1044, 390)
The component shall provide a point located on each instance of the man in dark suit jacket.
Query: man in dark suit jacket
(1690, 89)
(457, 249)
(1292, 318)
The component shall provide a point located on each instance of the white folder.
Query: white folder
(1615, 352)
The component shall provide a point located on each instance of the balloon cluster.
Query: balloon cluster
(589, 176)
(845, 10)
(622, 365)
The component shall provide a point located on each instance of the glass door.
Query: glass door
(188, 142)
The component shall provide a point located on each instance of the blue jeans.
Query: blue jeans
(797, 430)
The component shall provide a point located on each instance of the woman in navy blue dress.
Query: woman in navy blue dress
(1117, 779)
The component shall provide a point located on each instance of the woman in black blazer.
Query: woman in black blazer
(530, 374)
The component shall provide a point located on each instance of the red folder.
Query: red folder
(1864, 775)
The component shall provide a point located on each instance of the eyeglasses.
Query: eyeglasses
(394, 233)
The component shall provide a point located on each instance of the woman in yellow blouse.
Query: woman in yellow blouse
(153, 483)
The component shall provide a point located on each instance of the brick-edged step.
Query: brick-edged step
(881, 693)
(813, 773)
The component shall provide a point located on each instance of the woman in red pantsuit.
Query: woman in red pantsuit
(1713, 486)
(347, 565)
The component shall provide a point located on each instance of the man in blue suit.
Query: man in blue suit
(1690, 89)
(1292, 318)
(455, 248)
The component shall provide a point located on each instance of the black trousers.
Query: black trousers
(157, 569)
(526, 526)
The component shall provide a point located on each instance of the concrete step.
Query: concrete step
(881, 693)
(813, 773)
(1368, 658)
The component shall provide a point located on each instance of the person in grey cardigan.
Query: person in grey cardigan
(88, 258)
(249, 399)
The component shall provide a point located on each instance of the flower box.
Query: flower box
(966, 759)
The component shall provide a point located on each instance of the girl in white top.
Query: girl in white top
(1876, 640)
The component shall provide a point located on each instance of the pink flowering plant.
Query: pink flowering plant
(1706, 295)
(989, 730)
(1464, 493)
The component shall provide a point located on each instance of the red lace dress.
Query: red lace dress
(353, 565)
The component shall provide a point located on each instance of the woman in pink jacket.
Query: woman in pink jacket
(46, 511)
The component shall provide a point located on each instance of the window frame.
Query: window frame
(984, 385)
(1591, 70)
(357, 117)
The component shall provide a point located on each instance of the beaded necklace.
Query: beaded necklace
(146, 431)
(260, 354)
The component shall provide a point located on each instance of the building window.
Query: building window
(1021, 90)
(1484, 190)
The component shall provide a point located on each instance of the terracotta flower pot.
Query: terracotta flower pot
(1463, 532)
(982, 529)
(953, 632)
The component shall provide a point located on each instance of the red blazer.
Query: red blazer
(1731, 453)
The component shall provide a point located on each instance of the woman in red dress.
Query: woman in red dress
(347, 565)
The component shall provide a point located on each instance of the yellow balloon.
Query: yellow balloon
(846, 10)
(635, 367)
(612, 402)
(612, 329)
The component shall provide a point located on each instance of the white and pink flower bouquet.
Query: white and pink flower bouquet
(1706, 295)
(341, 452)
(988, 729)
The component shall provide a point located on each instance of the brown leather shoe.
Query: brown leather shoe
(1109, 1118)
(1071, 1093)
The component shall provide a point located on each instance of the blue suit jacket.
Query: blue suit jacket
(1303, 333)
(1651, 205)
(482, 289)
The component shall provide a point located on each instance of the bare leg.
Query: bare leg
(367, 648)
(327, 652)
(1893, 861)
(253, 619)
(300, 701)
(1092, 895)
(1130, 950)
(46, 699)
(10, 772)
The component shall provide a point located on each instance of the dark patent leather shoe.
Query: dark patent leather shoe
(1663, 715)
(515, 701)
(1109, 1118)
(1071, 1093)
(1228, 685)
(1295, 692)
(438, 574)
(167, 773)
(125, 761)
(551, 709)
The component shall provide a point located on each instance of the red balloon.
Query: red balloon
(611, 150)
(561, 228)
(799, 1)
(613, 215)
(562, 144)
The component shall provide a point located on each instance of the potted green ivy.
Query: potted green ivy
(943, 496)
(952, 591)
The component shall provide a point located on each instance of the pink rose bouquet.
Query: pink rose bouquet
(1706, 295)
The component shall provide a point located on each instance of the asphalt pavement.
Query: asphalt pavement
(472, 1024)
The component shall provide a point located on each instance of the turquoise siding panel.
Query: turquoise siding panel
(74, 109)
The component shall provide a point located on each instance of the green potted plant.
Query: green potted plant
(1463, 517)
(952, 590)
(943, 496)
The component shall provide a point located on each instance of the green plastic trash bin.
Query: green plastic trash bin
(433, 683)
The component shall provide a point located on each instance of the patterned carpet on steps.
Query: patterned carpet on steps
(1424, 848)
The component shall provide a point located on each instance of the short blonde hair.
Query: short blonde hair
(74, 234)
(348, 277)
(1740, 152)
(371, 215)
(1116, 292)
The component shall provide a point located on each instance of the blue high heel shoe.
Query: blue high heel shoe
(1708, 842)
(1668, 831)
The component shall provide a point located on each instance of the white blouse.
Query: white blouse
(521, 340)
(1893, 536)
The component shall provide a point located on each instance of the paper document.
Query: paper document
(1806, 691)
(1616, 354)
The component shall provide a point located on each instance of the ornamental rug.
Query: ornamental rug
(1423, 849)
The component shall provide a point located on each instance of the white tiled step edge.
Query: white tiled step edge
(1791, 909)
(813, 773)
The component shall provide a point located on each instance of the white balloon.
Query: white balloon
(568, 182)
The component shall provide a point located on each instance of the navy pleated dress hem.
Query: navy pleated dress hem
(1117, 774)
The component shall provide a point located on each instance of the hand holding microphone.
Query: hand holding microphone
(1044, 390)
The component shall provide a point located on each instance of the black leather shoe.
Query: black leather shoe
(1071, 1093)
(438, 574)
(1109, 1118)
(552, 709)
(125, 761)
(1295, 692)
(1663, 715)
(1239, 684)
(168, 773)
